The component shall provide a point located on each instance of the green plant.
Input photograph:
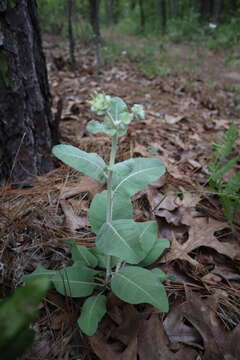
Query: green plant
(229, 193)
(123, 247)
(16, 313)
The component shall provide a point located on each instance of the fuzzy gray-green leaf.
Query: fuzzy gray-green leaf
(93, 310)
(120, 239)
(133, 175)
(154, 254)
(82, 253)
(121, 209)
(75, 281)
(89, 164)
(136, 285)
(40, 272)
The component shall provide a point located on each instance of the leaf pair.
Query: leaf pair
(134, 285)
(129, 176)
(75, 281)
(130, 241)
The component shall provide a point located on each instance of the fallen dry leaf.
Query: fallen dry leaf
(72, 221)
(177, 330)
(153, 343)
(201, 233)
(86, 184)
(169, 119)
(219, 344)
(105, 351)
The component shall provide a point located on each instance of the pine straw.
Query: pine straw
(32, 233)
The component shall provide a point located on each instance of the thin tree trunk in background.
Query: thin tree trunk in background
(206, 10)
(27, 132)
(217, 8)
(163, 15)
(142, 15)
(94, 20)
(94, 16)
(233, 6)
(110, 5)
(132, 4)
(71, 39)
(175, 8)
(112, 11)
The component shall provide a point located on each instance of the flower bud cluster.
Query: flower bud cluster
(117, 117)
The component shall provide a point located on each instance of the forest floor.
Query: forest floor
(190, 95)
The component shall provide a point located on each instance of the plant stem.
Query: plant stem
(109, 195)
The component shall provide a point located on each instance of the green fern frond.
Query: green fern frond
(229, 193)
(226, 143)
(233, 185)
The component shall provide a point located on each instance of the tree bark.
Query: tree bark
(27, 132)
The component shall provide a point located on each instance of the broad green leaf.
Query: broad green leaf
(120, 239)
(16, 313)
(16, 346)
(81, 253)
(40, 272)
(89, 164)
(133, 175)
(122, 130)
(95, 127)
(93, 310)
(126, 117)
(148, 234)
(121, 209)
(75, 281)
(102, 259)
(126, 239)
(162, 276)
(136, 285)
(155, 253)
(117, 106)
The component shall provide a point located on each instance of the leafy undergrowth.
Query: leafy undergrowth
(183, 116)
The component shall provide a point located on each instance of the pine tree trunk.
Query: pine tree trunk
(27, 133)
